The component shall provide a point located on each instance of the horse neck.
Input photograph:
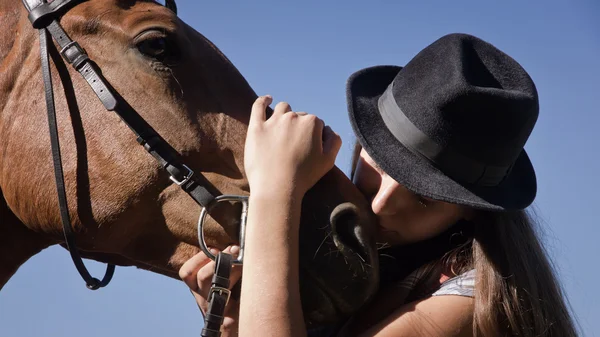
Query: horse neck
(17, 243)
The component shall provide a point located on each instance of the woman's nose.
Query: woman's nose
(387, 200)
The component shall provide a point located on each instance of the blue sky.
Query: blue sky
(303, 52)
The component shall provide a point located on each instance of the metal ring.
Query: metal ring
(236, 198)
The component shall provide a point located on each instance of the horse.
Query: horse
(123, 207)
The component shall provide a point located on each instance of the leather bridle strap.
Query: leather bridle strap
(44, 17)
(218, 296)
(91, 282)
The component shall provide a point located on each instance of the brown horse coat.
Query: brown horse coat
(123, 206)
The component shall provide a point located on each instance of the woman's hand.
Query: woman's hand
(289, 152)
(197, 273)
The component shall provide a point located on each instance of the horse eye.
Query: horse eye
(159, 45)
(155, 47)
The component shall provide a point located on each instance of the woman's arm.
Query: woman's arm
(270, 300)
(436, 316)
(284, 156)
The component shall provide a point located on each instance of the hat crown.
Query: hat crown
(467, 95)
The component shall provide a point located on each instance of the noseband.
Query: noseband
(44, 17)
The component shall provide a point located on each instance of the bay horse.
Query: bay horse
(123, 207)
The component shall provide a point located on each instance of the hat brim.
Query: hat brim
(515, 192)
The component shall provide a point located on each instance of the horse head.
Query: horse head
(123, 206)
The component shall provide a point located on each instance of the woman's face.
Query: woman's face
(403, 217)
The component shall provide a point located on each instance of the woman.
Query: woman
(440, 152)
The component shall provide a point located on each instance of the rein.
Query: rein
(44, 17)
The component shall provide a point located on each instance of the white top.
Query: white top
(461, 285)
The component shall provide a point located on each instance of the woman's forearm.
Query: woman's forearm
(284, 156)
(270, 299)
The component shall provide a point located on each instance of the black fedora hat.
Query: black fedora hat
(451, 124)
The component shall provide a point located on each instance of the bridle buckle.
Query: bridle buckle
(221, 291)
(186, 176)
(74, 54)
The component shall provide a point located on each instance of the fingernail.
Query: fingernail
(235, 250)
(214, 251)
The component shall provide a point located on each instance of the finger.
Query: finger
(204, 279)
(318, 126)
(332, 142)
(232, 314)
(190, 268)
(259, 109)
(281, 108)
(236, 270)
(205, 274)
(201, 302)
(301, 113)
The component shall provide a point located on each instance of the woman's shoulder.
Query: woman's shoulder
(406, 305)
(435, 316)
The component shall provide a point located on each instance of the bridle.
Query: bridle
(45, 16)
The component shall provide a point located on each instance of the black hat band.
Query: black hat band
(451, 162)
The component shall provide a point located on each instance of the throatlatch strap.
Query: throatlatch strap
(218, 296)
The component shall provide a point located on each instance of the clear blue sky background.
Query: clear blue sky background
(302, 52)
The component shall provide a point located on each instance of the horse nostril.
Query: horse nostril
(347, 233)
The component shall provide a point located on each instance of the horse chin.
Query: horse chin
(325, 303)
(319, 308)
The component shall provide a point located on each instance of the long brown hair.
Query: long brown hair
(516, 290)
